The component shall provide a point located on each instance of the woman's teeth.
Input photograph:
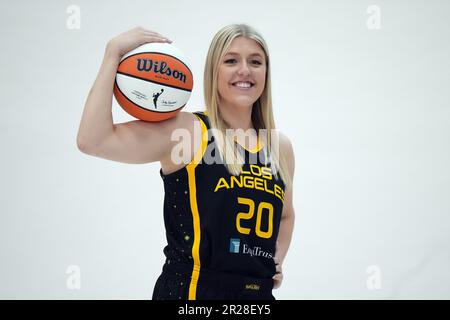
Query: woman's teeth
(243, 84)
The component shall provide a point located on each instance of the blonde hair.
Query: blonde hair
(262, 113)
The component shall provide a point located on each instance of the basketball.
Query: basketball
(153, 82)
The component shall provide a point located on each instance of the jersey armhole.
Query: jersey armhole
(199, 152)
(204, 138)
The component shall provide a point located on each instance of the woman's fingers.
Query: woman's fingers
(153, 38)
(155, 35)
(278, 266)
(277, 279)
(149, 35)
(127, 41)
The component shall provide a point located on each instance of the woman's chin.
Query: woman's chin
(242, 102)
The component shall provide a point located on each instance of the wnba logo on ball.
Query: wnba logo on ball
(147, 65)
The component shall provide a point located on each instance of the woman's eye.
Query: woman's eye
(256, 62)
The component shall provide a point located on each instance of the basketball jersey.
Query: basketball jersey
(217, 221)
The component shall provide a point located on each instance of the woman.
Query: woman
(228, 221)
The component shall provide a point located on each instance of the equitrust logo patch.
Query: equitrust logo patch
(234, 245)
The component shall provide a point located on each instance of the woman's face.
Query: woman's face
(242, 73)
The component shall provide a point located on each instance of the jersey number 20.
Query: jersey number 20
(249, 215)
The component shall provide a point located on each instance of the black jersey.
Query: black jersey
(217, 221)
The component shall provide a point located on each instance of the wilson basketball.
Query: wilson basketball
(153, 82)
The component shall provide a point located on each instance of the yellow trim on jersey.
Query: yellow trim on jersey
(257, 148)
(194, 208)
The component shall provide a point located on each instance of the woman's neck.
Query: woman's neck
(237, 118)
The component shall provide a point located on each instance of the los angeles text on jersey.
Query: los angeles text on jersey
(257, 177)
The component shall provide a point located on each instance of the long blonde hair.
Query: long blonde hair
(262, 113)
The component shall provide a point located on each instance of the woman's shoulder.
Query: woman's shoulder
(287, 149)
(194, 122)
(285, 142)
(188, 118)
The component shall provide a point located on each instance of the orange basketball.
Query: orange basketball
(153, 82)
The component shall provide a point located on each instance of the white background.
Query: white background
(367, 112)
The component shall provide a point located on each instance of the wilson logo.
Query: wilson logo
(148, 65)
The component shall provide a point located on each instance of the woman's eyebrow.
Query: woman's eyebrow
(251, 55)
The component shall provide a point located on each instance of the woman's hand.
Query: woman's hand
(129, 40)
(278, 277)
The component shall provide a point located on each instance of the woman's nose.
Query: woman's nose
(244, 69)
